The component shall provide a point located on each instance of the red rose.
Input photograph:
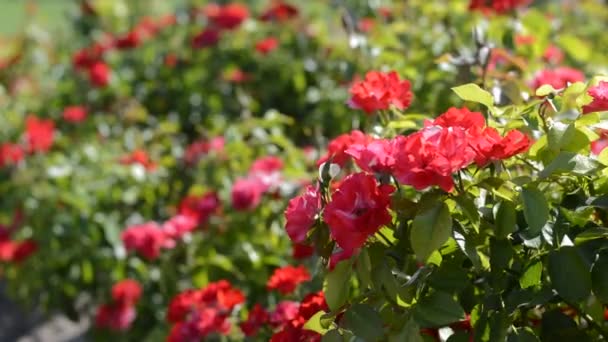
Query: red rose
(553, 54)
(279, 11)
(10, 154)
(557, 78)
(373, 156)
(310, 305)
(115, 317)
(200, 208)
(599, 145)
(126, 292)
(267, 45)
(366, 24)
(207, 37)
(291, 333)
(247, 193)
(357, 209)
(336, 149)
(198, 313)
(286, 279)
(74, 114)
(430, 156)
(301, 251)
(380, 91)
(39, 134)
(284, 312)
(258, 317)
(129, 41)
(99, 74)
(147, 239)
(181, 305)
(230, 16)
(13, 251)
(201, 147)
(599, 93)
(139, 157)
(301, 213)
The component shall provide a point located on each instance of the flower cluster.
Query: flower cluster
(202, 147)
(119, 314)
(39, 136)
(287, 319)
(91, 59)
(149, 238)
(359, 205)
(195, 314)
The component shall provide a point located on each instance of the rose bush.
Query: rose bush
(273, 170)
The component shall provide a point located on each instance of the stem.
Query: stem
(385, 239)
(460, 185)
(397, 185)
(592, 323)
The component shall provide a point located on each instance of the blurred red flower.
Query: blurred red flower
(207, 37)
(380, 91)
(10, 154)
(146, 239)
(228, 17)
(39, 134)
(279, 11)
(267, 45)
(286, 279)
(257, 317)
(99, 74)
(126, 292)
(74, 114)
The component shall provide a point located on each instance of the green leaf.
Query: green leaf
(438, 309)
(364, 322)
(570, 162)
(449, 278)
(431, 228)
(522, 335)
(505, 219)
(569, 274)
(337, 284)
(469, 209)
(531, 276)
(472, 92)
(536, 210)
(599, 277)
(545, 90)
(409, 333)
(332, 336)
(575, 47)
(314, 323)
(592, 234)
(363, 268)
